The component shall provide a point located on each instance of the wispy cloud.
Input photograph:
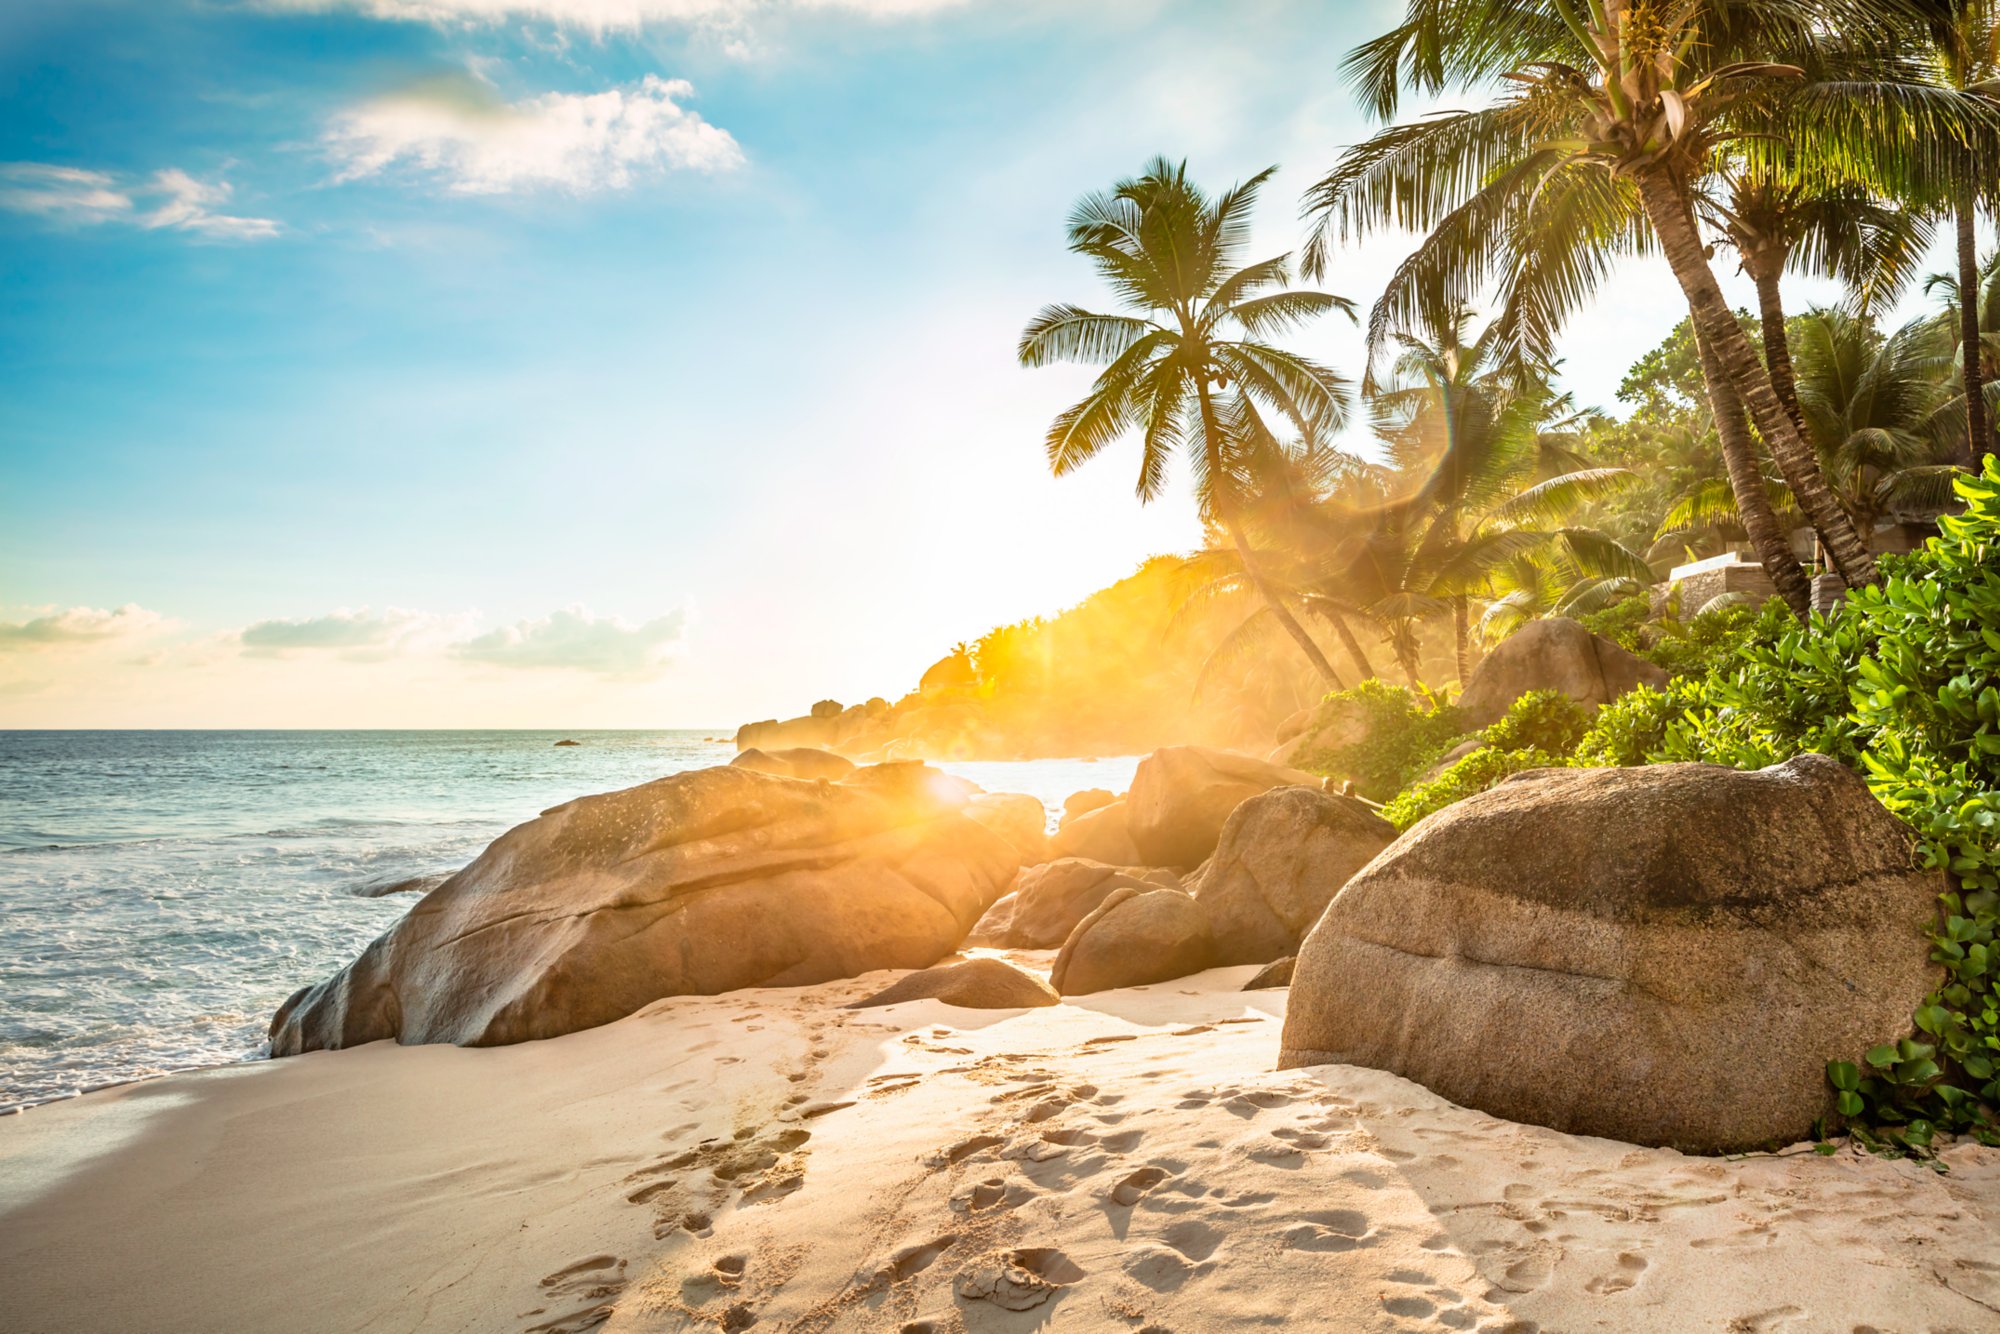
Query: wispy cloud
(78, 625)
(605, 15)
(459, 131)
(575, 640)
(168, 200)
(355, 633)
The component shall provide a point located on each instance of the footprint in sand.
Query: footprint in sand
(1019, 1280)
(1129, 1191)
(1331, 1230)
(1630, 1269)
(1762, 1322)
(591, 1281)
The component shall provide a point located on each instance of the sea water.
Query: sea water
(162, 892)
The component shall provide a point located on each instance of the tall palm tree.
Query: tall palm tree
(1964, 50)
(1190, 367)
(1956, 318)
(1779, 220)
(1618, 109)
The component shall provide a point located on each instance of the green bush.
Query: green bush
(1903, 683)
(1395, 735)
(1468, 776)
(1684, 647)
(1545, 720)
(1631, 728)
(1537, 731)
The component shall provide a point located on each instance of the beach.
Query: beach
(767, 1159)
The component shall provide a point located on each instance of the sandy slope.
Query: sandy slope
(765, 1160)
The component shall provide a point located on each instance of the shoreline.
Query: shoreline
(1124, 1159)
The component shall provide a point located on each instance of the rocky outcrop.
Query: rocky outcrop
(798, 762)
(699, 883)
(1667, 955)
(1282, 857)
(1273, 975)
(1136, 936)
(976, 984)
(1082, 803)
(1017, 817)
(1102, 835)
(1555, 653)
(1049, 900)
(1182, 795)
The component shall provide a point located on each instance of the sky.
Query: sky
(593, 363)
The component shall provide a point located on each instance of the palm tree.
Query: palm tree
(1189, 368)
(1878, 411)
(1780, 220)
(1487, 458)
(1953, 322)
(1618, 109)
(1965, 56)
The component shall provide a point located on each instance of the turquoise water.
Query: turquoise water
(162, 892)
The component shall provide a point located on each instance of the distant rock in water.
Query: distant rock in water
(567, 742)
(382, 889)
(1666, 955)
(699, 883)
(976, 984)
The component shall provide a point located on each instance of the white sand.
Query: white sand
(768, 1157)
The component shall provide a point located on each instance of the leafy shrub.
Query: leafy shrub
(1388, 735)
(1468, 776)
(1902, 683)
(1536, 732)
(1545, 720)
(1685, 647)
(1630, 729)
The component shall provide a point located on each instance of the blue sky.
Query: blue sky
(586, 362)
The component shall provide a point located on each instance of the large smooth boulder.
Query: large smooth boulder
(1282, 857)
(1135, 937)
(1049, 900)
(1182, 795)
(1555, 653)
(1017, 817)
(699, 883)
(798, 762)
(1667, 955)
(1102, 835)
(976, 984)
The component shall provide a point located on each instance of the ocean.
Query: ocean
(162, 892)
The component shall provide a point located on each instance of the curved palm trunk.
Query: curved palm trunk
(1978, 433)
(1753, 503)
(1280, 610)
(1736, 361)
(1462, 629)
(1212, 430)
(1777, 344)
(1348, 641)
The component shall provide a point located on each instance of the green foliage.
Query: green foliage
(1384, 736)
(1468, 776)
(1544, 720)
(1687, 647)
(1900, 684)
(1630, 729)
(1537, 731)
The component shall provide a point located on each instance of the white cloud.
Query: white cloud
(65, 194)
(576, 640)
(355, 633)
(461, 132)
(78, 625)
(173, 200)
(604, 15)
